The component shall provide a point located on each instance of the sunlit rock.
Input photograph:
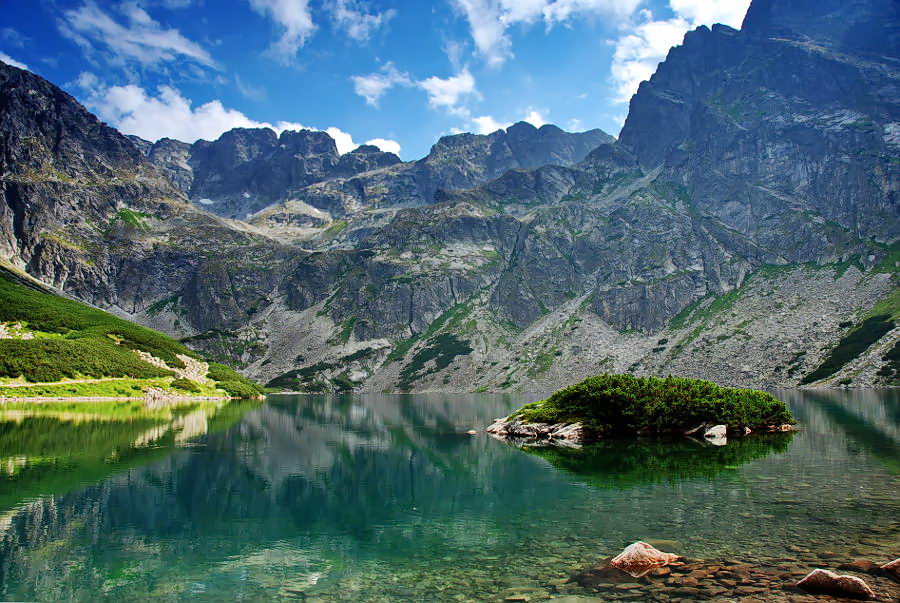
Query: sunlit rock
(825, 581)
(639, 558)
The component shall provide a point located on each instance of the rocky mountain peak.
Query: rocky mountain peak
(30, 109)
(308, 143)
(866, 26)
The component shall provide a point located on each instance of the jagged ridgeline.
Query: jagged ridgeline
(743, 227)
(53, 346)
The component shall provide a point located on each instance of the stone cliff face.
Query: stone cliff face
(743, 223)
(248, 169)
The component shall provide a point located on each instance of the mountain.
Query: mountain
(743, 227)
(248, 169)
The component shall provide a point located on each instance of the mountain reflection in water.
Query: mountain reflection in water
(363, 497)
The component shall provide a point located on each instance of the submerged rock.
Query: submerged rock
(640, 558)
(824, 581)
(893, 568)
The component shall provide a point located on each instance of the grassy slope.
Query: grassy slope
(75, 342)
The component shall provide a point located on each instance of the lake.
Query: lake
(386, 498)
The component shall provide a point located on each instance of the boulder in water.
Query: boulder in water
(824, 581)
(639, 558)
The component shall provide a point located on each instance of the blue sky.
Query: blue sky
(398, 74)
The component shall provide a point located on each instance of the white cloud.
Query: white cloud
(169, 115)
(535, 118)
(563, 10)
(295, 19)
(140, 39)
(373, 86)
(486, 124)
(13, 38)
(11, 61)
(640, 51)
(489, 20)
(574, 125)
(248, 91)
(342, 139)
(351, 17)
(386, 145)
(708, 12)
(487, 29)
(448, 93)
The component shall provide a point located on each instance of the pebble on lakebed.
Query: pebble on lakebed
(692, 579)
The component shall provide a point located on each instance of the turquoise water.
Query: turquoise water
(377, 497)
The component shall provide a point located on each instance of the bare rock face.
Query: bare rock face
(640, 558)
(825, 581)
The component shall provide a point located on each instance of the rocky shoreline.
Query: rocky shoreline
(642, 572)
(575, 434)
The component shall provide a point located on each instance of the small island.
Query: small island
(611, 405)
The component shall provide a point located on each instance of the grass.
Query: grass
(335, 229)
(851, 346)
(75, 341)
(442, 349)
(451, 318)
(47, 313)
(113, 388)
(307, 378)
(46, 360)
(609, 405)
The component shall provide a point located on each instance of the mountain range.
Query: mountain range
(743, 227)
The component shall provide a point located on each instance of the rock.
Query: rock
(860, 565)
(717, 431)
(893, 568)
(559, 433)
(640, 558)
(825, 581)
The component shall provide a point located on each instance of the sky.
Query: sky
(398, 74)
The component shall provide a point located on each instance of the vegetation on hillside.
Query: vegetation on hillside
(70, 340)
(851, 346)
(609, 405)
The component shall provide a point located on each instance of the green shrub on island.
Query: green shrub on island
(611, 405)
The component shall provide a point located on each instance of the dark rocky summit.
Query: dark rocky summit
(743, 226)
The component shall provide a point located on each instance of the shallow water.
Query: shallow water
(376, 497)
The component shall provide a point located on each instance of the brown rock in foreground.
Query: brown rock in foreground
(893, 568)
(639, 558)
(824, 581)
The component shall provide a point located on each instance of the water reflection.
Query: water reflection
(627, 463)
(387, 497)
(50, 448)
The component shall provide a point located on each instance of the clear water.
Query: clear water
(376, 497)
